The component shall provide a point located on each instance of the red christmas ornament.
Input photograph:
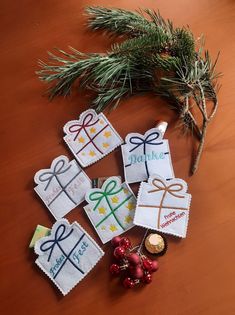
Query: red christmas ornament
(115, 241)
(154, 266)
(133, 265)
(147, 278)
(134, 259)
(119, 252)
(136, 272)
(147, 264)
(115, 269)
(125, 242)
(128, 283)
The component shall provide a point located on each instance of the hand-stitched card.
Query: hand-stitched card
(91, 137)
(111, 208)
(67, 255)
(144, 155)
(163, 205)
(63, 186)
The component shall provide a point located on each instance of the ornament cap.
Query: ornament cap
(162, 126)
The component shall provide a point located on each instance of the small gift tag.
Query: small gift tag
(63, 186)
(163, 206)
(144, 155)
(67, 255)
(91, 137)
(111, 208)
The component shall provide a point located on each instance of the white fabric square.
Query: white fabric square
(111, 208)
(144, 155)
(67, 255)
(91, 137)
(63, 186)
(163, 205)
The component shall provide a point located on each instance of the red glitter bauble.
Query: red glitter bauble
(136, 272)
(125, 242)
(147, 278)
(128, 283)
(115, 241)
(154, 266)
(134, 259)
(115, 269)
(147, 264)
(119, 252)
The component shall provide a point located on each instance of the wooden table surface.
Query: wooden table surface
(196, 276)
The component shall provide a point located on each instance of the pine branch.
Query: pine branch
(155, 57)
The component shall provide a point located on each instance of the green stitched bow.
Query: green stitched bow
(109, 190)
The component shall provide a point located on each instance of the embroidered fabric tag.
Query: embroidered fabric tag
(163, 205)
(91, 137)
(63, 186)
(111, 208)
(67, 255)
(144, 155)
(39, 232)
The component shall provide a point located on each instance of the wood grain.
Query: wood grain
(196, 275)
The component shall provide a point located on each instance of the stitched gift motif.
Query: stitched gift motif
(63, 186)
(144, 155)
(91, 137)
(67, 255)
(163, 205)
(111, 208)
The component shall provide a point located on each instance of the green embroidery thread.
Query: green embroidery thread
(108, 191)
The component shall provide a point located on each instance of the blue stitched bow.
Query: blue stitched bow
(138, 141)
(59, 237)
(143, 141)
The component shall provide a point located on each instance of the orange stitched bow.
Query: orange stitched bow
(171, 189)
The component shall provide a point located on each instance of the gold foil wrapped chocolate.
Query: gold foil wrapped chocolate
(155, 243)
